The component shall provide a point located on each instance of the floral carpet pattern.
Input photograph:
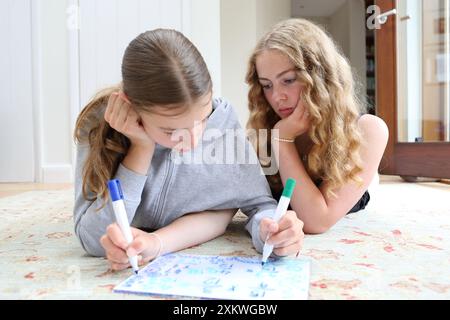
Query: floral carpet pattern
(397, 248)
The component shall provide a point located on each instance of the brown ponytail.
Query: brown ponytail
(107, 146)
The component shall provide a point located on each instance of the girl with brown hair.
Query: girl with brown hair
(135, 131)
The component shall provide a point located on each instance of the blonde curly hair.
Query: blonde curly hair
(328, 95)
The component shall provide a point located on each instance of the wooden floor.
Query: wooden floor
(11, 189)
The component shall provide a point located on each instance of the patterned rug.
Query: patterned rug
(398, 248)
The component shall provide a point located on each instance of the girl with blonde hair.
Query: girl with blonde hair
(137, 130)
(301, 85)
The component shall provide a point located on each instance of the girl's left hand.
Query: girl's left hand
(295, 124)
(286, 236)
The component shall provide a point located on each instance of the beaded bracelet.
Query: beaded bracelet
(283, 140)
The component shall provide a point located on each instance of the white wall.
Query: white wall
(100, 58)
(242, 24)
(225, 31)
(347, 27)
(357, 43)
(238, 38)
(102, 50)
(322, 21)
(55, 148)
(205, 34)
(36, 132)
(16, 114)
(269, 12)
(106, 29)
(339, 28)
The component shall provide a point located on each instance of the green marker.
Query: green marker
(283, 204)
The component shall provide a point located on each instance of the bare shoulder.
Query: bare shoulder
(373, 128)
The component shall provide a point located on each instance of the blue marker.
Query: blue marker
(121, 217)
(283, 204)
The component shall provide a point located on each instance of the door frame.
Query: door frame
(406, 159)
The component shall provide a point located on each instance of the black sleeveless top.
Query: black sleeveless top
(360, 205)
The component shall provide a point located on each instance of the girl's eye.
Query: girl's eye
(289, 81)
(168, 133)
(266, 86)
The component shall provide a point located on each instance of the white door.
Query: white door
(16, 95)
(108, 26)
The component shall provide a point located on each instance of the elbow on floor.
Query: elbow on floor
(92, 249)
(316, 229)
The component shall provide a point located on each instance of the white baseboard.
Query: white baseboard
(60, 173)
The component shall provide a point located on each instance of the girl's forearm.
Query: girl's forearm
(194, 229)
(138, 159)
(307, 200)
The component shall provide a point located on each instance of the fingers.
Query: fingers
(117, 110)
(119, 114)
(289, 250)
(117, 250)
(290, 227)
(135, 232)
(132, 117)
(115, 247)
(115, 235)
(266, 227)
(122, 266)
(116, 256)
(286, 237)
(113, 253)
(142, 261)
(109, 108)
(138, 245)
(124, 97)
(122, 115)
(290, 234)
(144, 245)
(299, 110)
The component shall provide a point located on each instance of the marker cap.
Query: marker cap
(115, 190)
(289, 188)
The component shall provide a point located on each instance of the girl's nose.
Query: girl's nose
(195, 136)
(279, 95)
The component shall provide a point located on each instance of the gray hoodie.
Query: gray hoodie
(177, 185)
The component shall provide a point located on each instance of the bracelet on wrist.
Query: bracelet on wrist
(283, 140)
(160, 244)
